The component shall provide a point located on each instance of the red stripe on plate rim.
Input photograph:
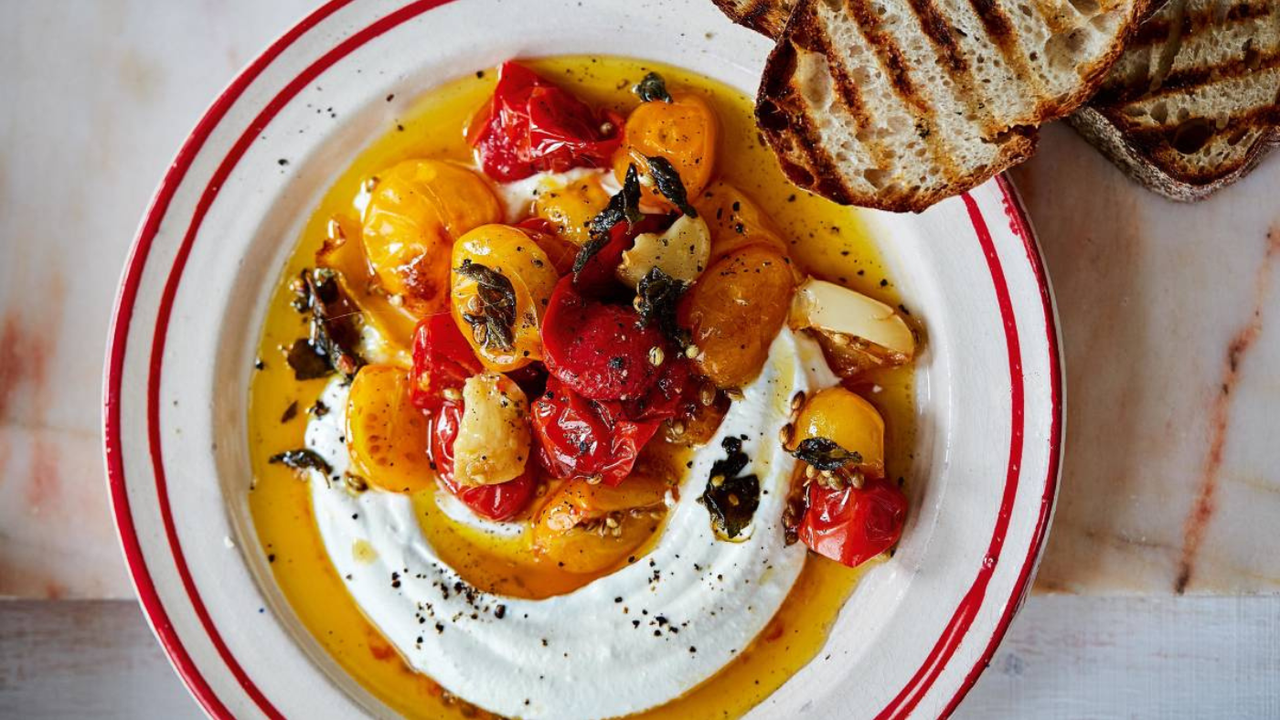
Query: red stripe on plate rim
(122, 317)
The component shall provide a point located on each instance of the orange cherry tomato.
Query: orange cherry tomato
(502, 329)
(684, 131)
(415, 212)
(735, 310)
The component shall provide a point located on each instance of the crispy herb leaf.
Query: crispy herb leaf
(667, 180)
(301, 460)
(731, 499)
(494, 325)
(623, 206)
(335, 330)
(652, 87)
(657, 297)
(307, 364)
(825, 454)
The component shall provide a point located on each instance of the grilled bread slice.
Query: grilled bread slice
(896, 104)
(766, 17)
(1194, 102)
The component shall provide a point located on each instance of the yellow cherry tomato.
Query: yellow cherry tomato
(416, 210)
(386, 434)
(587, 528)
(505, 336)
(684, 131)
(845, 418)
(570, 209)
(735, 220)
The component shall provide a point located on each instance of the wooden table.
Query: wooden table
(1159, 586)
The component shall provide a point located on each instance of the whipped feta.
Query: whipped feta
(632, 640)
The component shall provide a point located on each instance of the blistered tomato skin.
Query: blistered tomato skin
(386, 433)
(599, 350)
(416, 210)
(684, 131)
(853, 525)
(495, 502)
(442, 362)
(583, 439)
(845, 418)
(513, 254)
(735, 310)
(531, 125)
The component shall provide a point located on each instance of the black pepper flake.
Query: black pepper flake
(884, 283)
(617, 599)
(500, 611)
(259, 365)
(271, 558)
(290, 412)
(693, 649)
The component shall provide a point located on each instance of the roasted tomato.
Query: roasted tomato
(386, 434)
(585, 439)
(588, 528)
(852, 525)
(502, 281)
(416, 210)
(570, 208)
(599, 350)
(735, 310)
(684, 131)
(532, 126)
(502, 501)
(442, 362)
(557, 247)
(845, 418)
(599, 276)
(735, 220)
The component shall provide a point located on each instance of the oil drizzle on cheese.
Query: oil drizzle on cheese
(827, 240)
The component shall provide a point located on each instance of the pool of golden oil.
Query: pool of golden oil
(827, 240)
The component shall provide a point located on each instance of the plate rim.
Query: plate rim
(125, 305)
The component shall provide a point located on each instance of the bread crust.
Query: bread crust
(1141, 161)
(787, 124)
(766, 17)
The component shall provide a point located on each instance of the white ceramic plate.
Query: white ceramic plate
(917, 631)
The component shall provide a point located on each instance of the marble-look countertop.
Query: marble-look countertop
(1170, 314)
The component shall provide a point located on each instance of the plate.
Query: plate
(918, 630)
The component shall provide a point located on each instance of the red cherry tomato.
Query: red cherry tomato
(852, 526)
(581, 438)
(598, 277)
(666, 398)
(496, 502)
(531, 125)
(442, 359)
(598, 350)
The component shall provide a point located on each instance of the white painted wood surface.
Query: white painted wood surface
(1065, 657)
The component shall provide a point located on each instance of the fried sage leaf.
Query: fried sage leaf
(301, 460)
(493, 323)
(825, 454)
(731, 499)
(334, 328)
(307, 364)
(657, 298)
(652, 87)
(667, 179)
(624, 206)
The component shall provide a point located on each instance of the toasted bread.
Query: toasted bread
(1194, 102)
(896, 104)
(766, 17)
